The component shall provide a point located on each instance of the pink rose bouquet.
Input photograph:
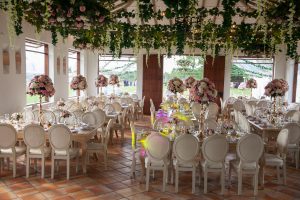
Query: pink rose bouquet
(114, 79)
(78, 83)
(101, 81)
(176, 85)
(41, 85)
(189, 82)
(203, 91)
(251, 83)
(277, 87)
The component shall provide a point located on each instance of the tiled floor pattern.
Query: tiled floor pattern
(115, 183)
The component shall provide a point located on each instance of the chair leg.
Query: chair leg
(52, 167)
(8, 162)
(165, 178)
(153, 174)
(68, 168)
(122, 135)
(297, 159)
(43, 167)
(205, 181)
(35, 165)
(27, 166)
(105, 159)
(147, 178)
(278, 173)
(193, 179)
(77, 163)
(14, 166)
(200, 171)
(255, 183)
(240, 183)
(133, 164)
(222, 181)
(176, 179)
(284, 173)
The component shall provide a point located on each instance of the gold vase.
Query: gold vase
(41, 118)
(274, 113)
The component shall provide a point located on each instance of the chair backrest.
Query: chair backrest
(215, 148)
(134, 96)
(212, 110)
(129, 100)
(182, 153)
(152, 104)
(294, 132)
(239, 105)
(196, 107)
(290, 114)
(28, 115)
(142, 102)
(282, 142)
(100, 116)
(262, 104)
(78, 113)
(296, 117)
(293, 106)
(47, 115)
(249, 110)
(243, 123)
(158, 146)
(107, 131)
(117, 106)
(8, 136)
(109, 108)
(89, 118)
(34, 136)
(211, 123)
(250, 148)
(230, 100)
(60, 137)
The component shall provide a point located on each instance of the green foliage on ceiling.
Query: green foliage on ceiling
(94, 26)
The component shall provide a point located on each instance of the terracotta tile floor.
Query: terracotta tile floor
(115, 182)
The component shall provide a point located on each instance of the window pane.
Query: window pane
(261, 69)
(181, 67)
(35, 65)
(125, 67)
(72, 69)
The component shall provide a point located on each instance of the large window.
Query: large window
(73, 68)
(181, 67)
(37, 63)
(261, 69)
(125, 67)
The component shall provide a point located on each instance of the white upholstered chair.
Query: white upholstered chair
(90, 119)
(248, 159)
(157, 156)
(8, 148)
(214, 150)
(278, 160)
(212, 111)
(294, 140)
(97, 147)
(34, 138)
(185, 158)
(211, 124)
(60, 140)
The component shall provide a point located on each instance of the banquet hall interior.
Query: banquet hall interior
(149, 99)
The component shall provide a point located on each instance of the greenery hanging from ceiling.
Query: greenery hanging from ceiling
(93, 25)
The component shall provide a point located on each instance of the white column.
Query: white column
(280, 63)
(289, 75)
(91, 72)
(227, 76)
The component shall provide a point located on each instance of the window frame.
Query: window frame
(46, 62)
(78, 67)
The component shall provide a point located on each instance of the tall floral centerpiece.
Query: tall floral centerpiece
(42, 86)
(276, 88)
(100, 82)
(251, 83)
(175, 86)
(78, 83)
(189, 82)
(203, 92)
(113, 80)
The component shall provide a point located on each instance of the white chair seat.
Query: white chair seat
(19, 150)
(73, 152)
(185, 165)
(211, 165)
(155, 163)
(273, 160)
(95, 146)
(47, 151)
(293, 147)
(246, 166)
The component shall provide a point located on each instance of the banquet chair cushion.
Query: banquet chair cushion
(246, 166)
(73, 152)
(19, 150)
(155, 163)
(273, 160)
(47, 151)
(211, 165)
(185, 165)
